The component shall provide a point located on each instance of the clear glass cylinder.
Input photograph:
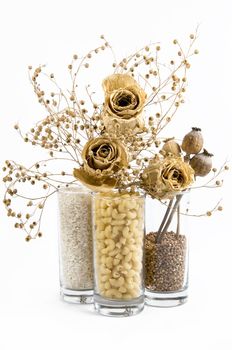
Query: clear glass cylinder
(118, 238)
(166, 251)
(75, 244)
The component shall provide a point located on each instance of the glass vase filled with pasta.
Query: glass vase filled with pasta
(118, 224)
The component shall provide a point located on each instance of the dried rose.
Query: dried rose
(124, 103)
(164, 178)
(103, 158)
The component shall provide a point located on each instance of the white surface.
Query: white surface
(31, 314)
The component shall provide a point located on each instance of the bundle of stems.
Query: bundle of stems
(172, 208)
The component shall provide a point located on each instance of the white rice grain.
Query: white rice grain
(75, 238)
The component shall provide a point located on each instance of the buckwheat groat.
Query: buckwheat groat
(165, 262)
(119, 234)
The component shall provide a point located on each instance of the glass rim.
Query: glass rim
(117, 195)
(73, 189)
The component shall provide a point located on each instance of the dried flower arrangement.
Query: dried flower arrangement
(115, 143)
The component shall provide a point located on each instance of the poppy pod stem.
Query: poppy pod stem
(178, 220)
(165, 216)
(169, 220)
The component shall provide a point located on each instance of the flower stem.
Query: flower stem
(165, 216)
(178, 220)
(178, 198)
(169, 220)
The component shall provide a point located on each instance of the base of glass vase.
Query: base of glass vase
(118, 308)
(84, 296)
(166, 299)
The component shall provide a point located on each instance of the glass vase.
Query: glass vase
(166, 251)
(118, 221)
(75, 244)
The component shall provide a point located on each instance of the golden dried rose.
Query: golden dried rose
(164, 178)
(124, 103)
(102, 157)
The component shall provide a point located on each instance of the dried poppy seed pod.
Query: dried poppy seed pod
(193, 141)
(201, 163)
(171, 146)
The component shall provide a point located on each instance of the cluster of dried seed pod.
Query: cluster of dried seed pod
(192, 144)
(118, 241)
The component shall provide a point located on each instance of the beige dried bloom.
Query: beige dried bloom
(124, 103)
(164, 178)
(103, 157)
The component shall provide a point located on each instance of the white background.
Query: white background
(34, 32)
